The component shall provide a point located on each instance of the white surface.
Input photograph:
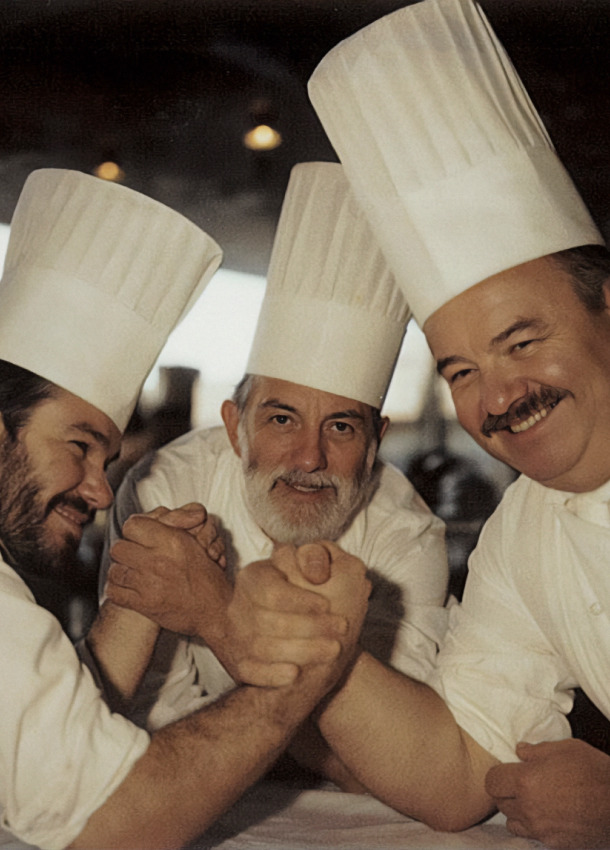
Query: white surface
(274, 816)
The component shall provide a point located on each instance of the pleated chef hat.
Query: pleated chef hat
(95, 278)
(332, 317)
(445, 151)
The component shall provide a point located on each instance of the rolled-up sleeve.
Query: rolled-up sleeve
(62, 752)
(498, 673)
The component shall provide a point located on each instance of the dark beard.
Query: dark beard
(22, 516)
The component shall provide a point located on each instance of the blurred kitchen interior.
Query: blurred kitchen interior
(165, 95)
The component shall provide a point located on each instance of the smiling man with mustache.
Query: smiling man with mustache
(508, 277)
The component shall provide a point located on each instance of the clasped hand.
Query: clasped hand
(302, 607)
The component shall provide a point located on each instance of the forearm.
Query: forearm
(196, 768)
(309, 749)
(398, 738)
(122, 642)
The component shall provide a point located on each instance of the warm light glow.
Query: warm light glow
(262, 138)
(109, 171)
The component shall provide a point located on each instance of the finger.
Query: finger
(284, 560)
(268, 675)
(120, 575)
(268, 588)
(280, 625)
(501, 780)
(133, 555)
(314, 563)
(157, 513)
(187, 517)
(274, 650)
(151, 532)
(527, 752)
(517, 828)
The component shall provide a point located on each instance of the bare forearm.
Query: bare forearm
(196, 768)
(397, 737)
(122, 642)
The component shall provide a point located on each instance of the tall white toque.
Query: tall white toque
(332, 317)
(445, 151)
(96, 277)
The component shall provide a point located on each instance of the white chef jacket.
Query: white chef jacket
(534, 622)
(62, 752)
(396, 536)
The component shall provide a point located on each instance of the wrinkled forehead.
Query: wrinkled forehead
(266, 392)
(533, 291)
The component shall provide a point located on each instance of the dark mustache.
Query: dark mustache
(72, 502)
(522, 408)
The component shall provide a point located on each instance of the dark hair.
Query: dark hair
(20, 392)
(589, 268)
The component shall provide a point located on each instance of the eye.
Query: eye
(81, 445)
(519, 346)
(341, 427)
(458, 375)
(280, 419)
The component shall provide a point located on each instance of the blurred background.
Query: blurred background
(202, 105)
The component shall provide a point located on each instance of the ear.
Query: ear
(385, 421)
(607, 293)
(3, 431)
(230, 416)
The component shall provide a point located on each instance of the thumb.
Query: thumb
(314, 562)
(188, 516)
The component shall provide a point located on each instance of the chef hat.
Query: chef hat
(332, 317)
(96, 276)
(445, 151)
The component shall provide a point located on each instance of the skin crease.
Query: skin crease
(69, 444)
(564, 346)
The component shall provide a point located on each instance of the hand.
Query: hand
(340, 577)
(273, 627)
(558, 794)
(195, 519)
(161, 570)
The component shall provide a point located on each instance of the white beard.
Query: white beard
(285, 520)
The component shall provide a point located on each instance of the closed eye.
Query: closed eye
(458, 375)
(519, 346)
(84, 447)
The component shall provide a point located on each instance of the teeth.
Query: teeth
(535, 417)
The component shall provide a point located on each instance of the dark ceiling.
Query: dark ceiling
(167, 88)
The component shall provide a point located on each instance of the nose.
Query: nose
(499, 389)
(95, 489)
(308, 452)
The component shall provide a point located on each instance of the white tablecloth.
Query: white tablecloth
(275, 816)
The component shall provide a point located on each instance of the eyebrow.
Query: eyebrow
(516, 327)
(519, 325)
(85, 428)
(274, 403)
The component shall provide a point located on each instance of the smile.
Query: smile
(526, 424)
(71, 516)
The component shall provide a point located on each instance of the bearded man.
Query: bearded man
(508, 276)
(85, 255)
(296, 462)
